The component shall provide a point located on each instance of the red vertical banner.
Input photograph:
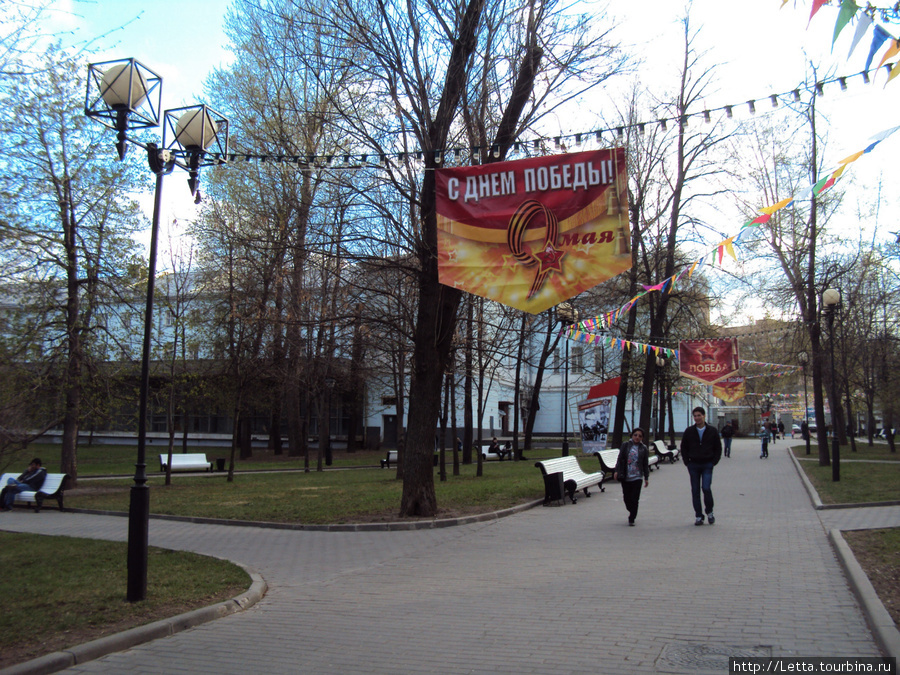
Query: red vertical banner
(531, 233)
(710, 360)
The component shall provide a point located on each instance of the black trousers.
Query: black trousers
(631, 493)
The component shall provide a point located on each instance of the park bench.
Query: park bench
(391, 456)
(53, 486)
(574, 478)
(608, 459)
(664, 452)
(191, 461)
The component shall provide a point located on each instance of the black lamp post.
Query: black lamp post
(831, 300)
(329, 388)
(660, 371)
(125, 95)
(567, 315)
(803, 357)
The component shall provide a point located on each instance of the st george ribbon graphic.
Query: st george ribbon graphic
(532, 233)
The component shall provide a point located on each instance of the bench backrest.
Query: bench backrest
(661, 447)
(189, 458)
(608, 459)
(568, 465)
(53, 483)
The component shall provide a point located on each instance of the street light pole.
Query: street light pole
(125, 95)
(660, 370)
(567, 315)
(804, 360)
(831, 299)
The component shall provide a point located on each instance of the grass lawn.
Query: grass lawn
(861, 481)
(877, 551)
(82, 593)
(334, 496)
(75, 590)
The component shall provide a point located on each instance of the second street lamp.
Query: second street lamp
(831, 300)
(125, 95)
(803, 357)
(661, 421)
(567, 315)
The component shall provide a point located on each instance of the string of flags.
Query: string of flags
(864, 17)
(726, 246)
(343, 158)
(574, 332)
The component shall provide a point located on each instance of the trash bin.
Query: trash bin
(220, 464)
(553, 489)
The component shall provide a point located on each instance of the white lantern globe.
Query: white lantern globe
(124, 86)
(196, 129)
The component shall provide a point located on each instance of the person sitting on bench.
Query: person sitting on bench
(30, 481)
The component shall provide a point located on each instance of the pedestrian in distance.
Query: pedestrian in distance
(632, 465)
(701, 448)
(764, 442)
(773, 431)
(727, 435)
(781, 429)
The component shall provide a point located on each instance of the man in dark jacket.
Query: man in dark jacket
(30, 481)
(701, 448)
(727, 435)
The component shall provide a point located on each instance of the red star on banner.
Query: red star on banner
(550, 259)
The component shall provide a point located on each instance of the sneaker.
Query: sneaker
(631, 521)
(698, 520)
(711, 518)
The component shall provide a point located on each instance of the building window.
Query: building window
(577, 360)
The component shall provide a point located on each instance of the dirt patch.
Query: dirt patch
(878, 555)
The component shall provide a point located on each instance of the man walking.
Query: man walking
(701, 448)
(727, 435)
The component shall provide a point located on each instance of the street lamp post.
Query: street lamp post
(329, 387)
(125, 95)
(660, 370)
(831, 300)
(567, 315)
(803, 357)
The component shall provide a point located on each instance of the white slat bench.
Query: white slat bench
(608, 459)
(663, 452)
(54, 485)
(391, 456)
(191, 461)
(574, 478)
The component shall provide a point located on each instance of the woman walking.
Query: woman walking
(632, 465)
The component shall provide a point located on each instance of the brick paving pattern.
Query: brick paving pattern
(568, 589)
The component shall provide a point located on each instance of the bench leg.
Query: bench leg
(586, 493)
(571, 489)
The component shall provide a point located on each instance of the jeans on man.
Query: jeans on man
(727, 445)
(701, 479)
(10, 490)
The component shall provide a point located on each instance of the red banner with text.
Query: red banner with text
(531, 233)
(730, 390)
(709, 361)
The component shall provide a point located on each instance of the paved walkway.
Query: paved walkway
(568, 589)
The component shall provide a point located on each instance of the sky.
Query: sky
(761, 47)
